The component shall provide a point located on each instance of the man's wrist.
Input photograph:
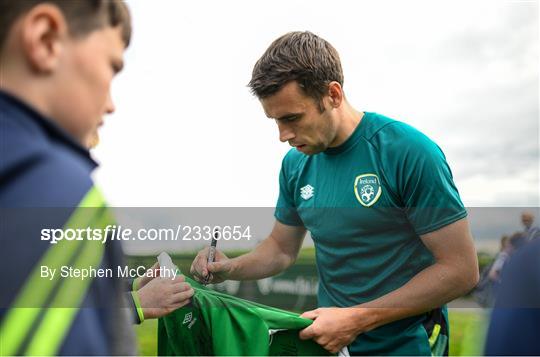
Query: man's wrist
(234, 269)
(138, 307)
(136, 284)
(365, 318)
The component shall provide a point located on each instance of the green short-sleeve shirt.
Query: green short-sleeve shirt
(366, 203)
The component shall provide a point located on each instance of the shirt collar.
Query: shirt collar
(48, 127)
(351, 140)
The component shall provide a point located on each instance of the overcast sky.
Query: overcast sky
(187, 132)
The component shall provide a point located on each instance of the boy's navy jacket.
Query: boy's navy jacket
(44, 176)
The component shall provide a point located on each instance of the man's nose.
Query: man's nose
(285, 133)
(109, 107)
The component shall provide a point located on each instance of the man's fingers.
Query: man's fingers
(332, 346)
(312, 314)
(202, 271)
(213, 267)
(179, 279)
(203, 262)
(178, 288)
(307, 333)
(198, 266)
(217, 267)
(194, 270)
(333, 350)
(181, 296)
(155, 269)
(180, 304)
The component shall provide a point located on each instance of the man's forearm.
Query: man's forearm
(265, 260)
(454, 273)
(431, 288)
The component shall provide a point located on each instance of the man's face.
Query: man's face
(299, 119)
(527, 219)
(87, 68)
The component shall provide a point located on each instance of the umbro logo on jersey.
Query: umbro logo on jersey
(367, 188)
(187, 318)
(192, 323)
(307, 192)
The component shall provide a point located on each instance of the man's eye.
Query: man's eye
(290, 119)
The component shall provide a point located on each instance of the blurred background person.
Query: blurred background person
(515, 321)
(531, 231)
(501, 258)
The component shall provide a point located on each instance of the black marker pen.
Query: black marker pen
(212, 253)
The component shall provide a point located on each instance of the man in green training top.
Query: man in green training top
(392, 239)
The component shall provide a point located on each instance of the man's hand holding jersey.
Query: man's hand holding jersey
(160, 296)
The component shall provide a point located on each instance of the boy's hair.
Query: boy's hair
(82, 16)
(297, 56)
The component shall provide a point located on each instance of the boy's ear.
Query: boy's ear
(44, 31)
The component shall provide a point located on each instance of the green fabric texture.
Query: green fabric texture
(217, 324)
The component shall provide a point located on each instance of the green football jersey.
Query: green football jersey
(222, 325)
(366, 203)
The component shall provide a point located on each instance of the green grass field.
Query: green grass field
(467, 331)
(147, 337)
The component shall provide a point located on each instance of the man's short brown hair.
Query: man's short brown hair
(297, 56)
(82, 16)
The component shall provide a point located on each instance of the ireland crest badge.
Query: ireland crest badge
(367, 188)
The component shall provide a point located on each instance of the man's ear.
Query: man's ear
(335, 94)
(44, 30)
